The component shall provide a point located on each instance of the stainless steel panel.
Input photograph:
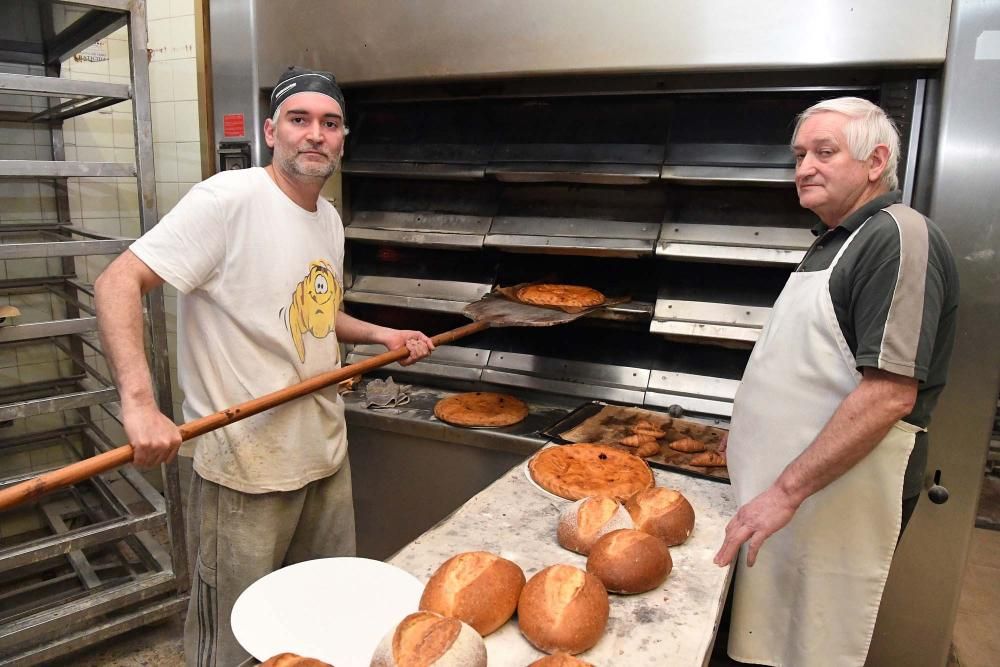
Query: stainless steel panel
(574, 227)
(573, 371)
(47, 169)
(238, 28)
(570, 246)
(446, 296)
(695, 252)
(733, 244)
(694, 385)
(40, 406)
(388, 41)
(708, 332)
(63, 248)
(921, 598)
(564, 387)
(414, 170)
(448, 361)
(711, 313)
(34, 330)
(427, 221)
(411, 238)
(571, 154)
(734, 155)
(689, 403)
(58, 87)
(699, 175)
(595, 174)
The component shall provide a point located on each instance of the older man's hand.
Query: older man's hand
(418, 344)
(755, 522)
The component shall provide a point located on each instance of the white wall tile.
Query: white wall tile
(189, 162)
(181, 44)
(95, 153)
(161, 82)
(17, 133)
(163, 122)
(98, 198)
(20, 152)
(181, 7)
(158, 39)
(105, 226)
(124, 136)
(20, 201)
(128, 198)
(165, 161)
(157, 9)
(125, 155)
(95, 129)
(182, 188)
(185, 79)
(119, 58)
(166, 197)
(32, 267)
(186, 119)
(131, 227)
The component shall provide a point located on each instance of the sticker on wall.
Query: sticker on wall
(233, 125)
(95, 53)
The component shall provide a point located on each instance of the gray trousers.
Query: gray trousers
(236, 538)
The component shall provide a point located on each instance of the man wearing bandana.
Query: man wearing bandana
(257, 258)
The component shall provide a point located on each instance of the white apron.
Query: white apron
(812, 597)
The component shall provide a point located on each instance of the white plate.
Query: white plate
(333, 609)
(538, 487)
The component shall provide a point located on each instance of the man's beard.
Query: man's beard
(291, 165)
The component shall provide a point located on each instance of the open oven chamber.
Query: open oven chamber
(676, 195)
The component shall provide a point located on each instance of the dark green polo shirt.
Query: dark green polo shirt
(898, 316)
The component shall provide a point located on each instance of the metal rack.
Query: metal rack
(89, 562)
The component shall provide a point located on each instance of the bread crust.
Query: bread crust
(560, 660)
(477, 587)
(581, 470)
(663, 513)
(293, 660)
(425, 638)
(563, 608)
(630, 561)
(481, 408)
(587, 520)
(552, 294)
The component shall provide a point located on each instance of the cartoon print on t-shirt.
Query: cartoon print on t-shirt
(314, 306)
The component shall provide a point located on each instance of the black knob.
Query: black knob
(938, 494)
(675, 411)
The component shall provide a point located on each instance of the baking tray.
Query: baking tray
(615, 423)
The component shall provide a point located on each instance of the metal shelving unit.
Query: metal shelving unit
(107, 555)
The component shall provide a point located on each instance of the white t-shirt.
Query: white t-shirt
(261, 283)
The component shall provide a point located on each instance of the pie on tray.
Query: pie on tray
(581, 470)
(481, 408)
(549, 294)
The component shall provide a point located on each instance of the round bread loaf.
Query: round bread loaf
(425, 638)
(662, 512)
(559, 660)
(563, 608)
(476, 587)
(630, 561)
(293, 660)
(587, 520)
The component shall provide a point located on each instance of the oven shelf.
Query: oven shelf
(723, 323)
(443, 296)
(448, 361)
(621, 384)
(424, 229)
(733, 244)
(694, 393)
(572, 236)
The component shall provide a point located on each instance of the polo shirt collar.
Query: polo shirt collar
(856, 219)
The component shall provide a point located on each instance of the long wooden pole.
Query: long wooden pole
(81, 470)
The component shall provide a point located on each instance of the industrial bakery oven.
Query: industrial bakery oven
(639, 151)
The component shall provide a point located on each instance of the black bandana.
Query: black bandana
(298, 80)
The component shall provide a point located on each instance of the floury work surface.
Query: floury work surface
(674, 623)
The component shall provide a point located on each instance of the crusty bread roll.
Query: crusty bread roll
(630, 561)
(562, 608)
(476, 587)
(662, 512)
(559, 660)
(587, 520)
(425, 638)
(293, 660)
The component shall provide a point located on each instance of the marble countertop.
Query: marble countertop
(674, 624)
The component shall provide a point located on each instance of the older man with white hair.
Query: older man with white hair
(828, 443)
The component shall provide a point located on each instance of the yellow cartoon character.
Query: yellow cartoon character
(314, 306)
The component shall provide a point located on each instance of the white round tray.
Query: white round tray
(333, 609)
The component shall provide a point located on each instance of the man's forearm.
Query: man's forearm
(119, 314)
(352, 330)
(859, 424)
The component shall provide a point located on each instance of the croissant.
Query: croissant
(647, 449)
(636, 440)
(687, 445)
(644, 427)
(709, 460)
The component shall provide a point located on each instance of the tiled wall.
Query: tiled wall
(103, 205)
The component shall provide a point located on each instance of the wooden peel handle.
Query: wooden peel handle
(81, 470)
